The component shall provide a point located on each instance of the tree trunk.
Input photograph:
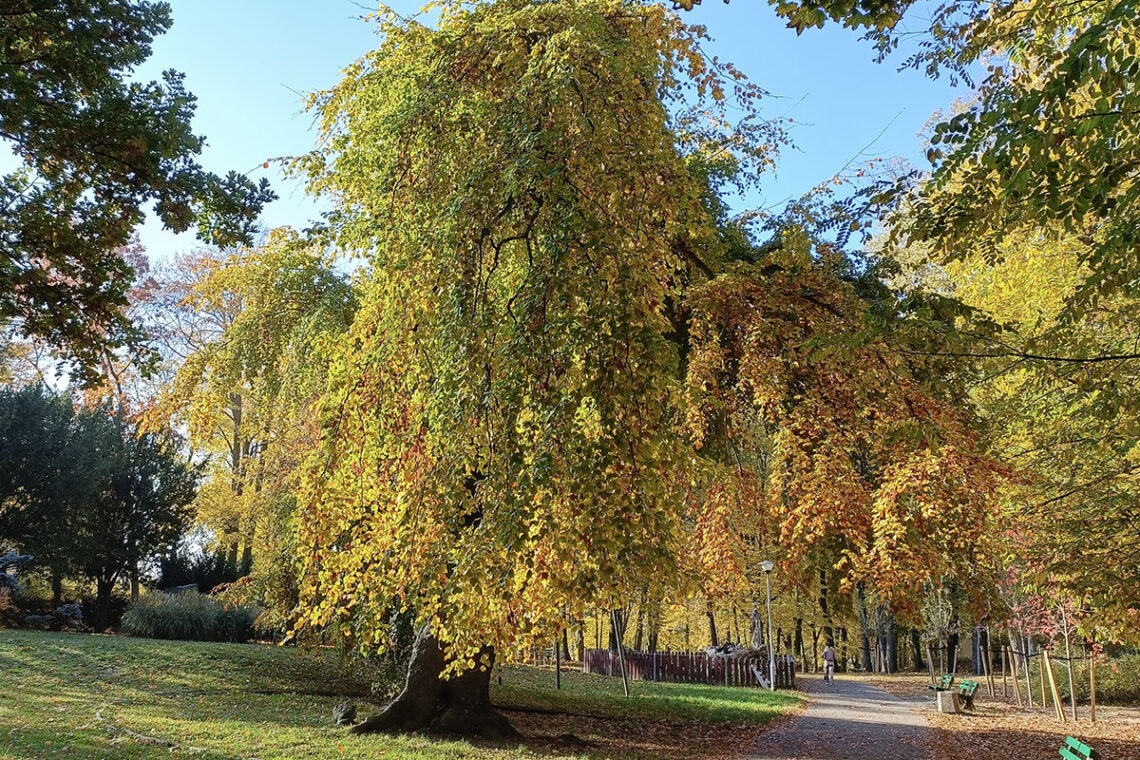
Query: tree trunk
(135, 582)
(952, 652)
(103, 589)
(566, 646)
(456, 705)
(56, 589)
(639, 628)
(616, 635)
(712, 624)
(799, 643)
(654, 627)
(825, 611)
(864, 625)
(916, 645)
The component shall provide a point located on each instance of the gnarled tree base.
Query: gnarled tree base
(458, 705)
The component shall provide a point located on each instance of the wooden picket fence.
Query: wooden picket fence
(692, 667)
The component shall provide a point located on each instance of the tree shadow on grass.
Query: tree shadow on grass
(558, 734)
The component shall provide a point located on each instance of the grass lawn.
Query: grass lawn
(85, 697)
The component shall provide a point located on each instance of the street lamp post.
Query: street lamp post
(767, 566)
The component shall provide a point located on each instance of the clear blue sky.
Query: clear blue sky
(250, 61)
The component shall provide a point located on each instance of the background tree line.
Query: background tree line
(88, 495)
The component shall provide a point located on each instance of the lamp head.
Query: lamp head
(767, 565)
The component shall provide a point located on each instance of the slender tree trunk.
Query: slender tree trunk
(56, 588)
(456, 705)
(886, 639)
(639, 628)
(828, 631)
(799, 644)
(135, 582)
(712, 624)
(654, 627)
(952, 646)
(580, 641)
(566, 645)
(864, 625)
(916, 645)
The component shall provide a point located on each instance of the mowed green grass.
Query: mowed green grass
(602, 695)
(80, 697)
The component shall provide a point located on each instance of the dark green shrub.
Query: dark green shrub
(206, 569)
(189, 616)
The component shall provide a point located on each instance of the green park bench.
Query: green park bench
(966, 690)
(943, 685)
(1075, 749)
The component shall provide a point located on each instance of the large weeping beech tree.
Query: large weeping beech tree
(508, 433)
(497, 432)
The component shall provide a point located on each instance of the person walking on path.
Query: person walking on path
(829, 660)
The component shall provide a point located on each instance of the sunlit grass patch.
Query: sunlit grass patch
(82, 697)
(603, 695)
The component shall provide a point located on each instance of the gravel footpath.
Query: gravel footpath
(847, 720)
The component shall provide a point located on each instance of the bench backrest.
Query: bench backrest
(947, 679)
(968, 687)
(1074, 749)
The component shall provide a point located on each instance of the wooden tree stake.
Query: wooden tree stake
(1016, 686)
(1053, 691)
(988, 665)
(621, 651)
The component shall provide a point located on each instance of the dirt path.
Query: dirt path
(847, 720)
